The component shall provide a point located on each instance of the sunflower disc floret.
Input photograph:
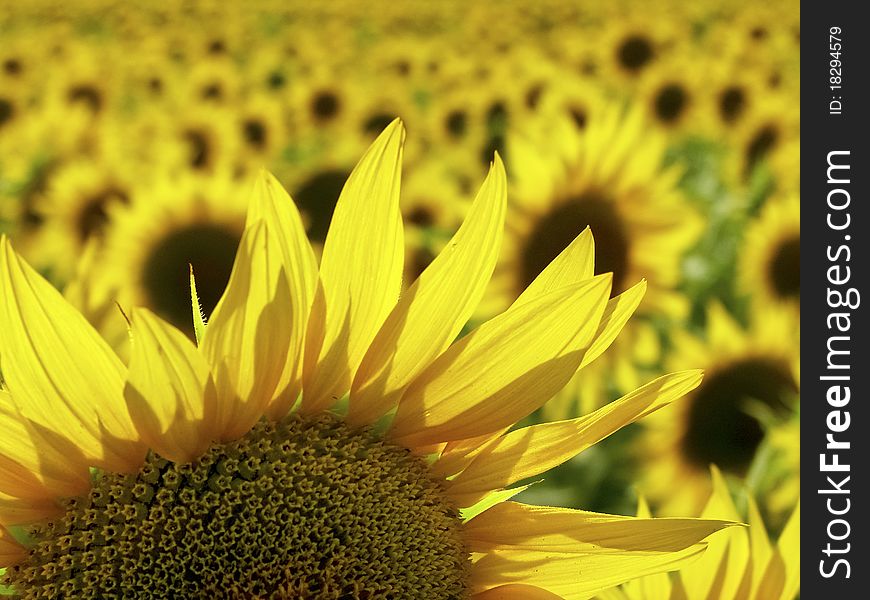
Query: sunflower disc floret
(302, 508)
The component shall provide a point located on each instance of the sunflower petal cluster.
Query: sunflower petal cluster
(291, 337)
(740, 563)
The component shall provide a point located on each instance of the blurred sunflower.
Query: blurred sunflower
(75, 207)
(759, 141)
(212, 80)
(166, 228)
(306, 502)
(751, 387)
(323, 101)
(770, 264)
(200, 139)
(610, 178)
(263, 128)
(739, 562)
(634, 44)
(671, 92)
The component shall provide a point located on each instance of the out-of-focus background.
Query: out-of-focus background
(130, 134)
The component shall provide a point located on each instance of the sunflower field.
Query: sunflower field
(369, 299)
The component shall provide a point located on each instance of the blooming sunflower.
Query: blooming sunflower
(608, 177)
(167, 227)
(223, 469)
(770, 264)
(751, 388)
(739, 563)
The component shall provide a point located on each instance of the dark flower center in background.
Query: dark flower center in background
(556, 230)
(7, 111)
(784, 269)
(316, 200)
(376, 123)
(200, 153)
(456, 123)
(211, 249)
(86, 95)
(732, 102)
(720, 428)
(255, 133)
(93, 216)
(325, 106)
(670, 102)
(634, 53)
(760, 146)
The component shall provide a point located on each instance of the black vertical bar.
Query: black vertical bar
(834, 395)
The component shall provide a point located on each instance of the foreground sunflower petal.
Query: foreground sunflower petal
(238, 470)
(740, 563)
(169, 391)
(61, 374)
(433, 311)
(532, 450)
(274, 206)
(607, 549)
(505, 363)
(246, 340)
(361, 269)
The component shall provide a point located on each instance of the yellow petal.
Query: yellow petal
(433, 311)
(14, 510)
(11, 552)
(574, 264)
(615, 593)
(60, 372)
(727, 552)
(361, 270)
(759, 542)
(789, 548)
(773, 580)
(532, 450)
(619, 310)
(273, 205)
(577, 554)
(169, 391)
(30, 466)
(247, 338)
(196, 308)
(651, 587)
(505, 369)
(458, 454)
(516, 592)
(490, 500)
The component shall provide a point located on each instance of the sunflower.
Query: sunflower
(608, 177)
(212, 81)
(204, 139)
(634, 45)
(84, 80)
(325, 100)
(213, 476)
(262, 127)
(739, 563)
(770, 264)
(432, 206)
(751, 387)
(76, 207)
(671, 91)
(773, 129)
(167, 227)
